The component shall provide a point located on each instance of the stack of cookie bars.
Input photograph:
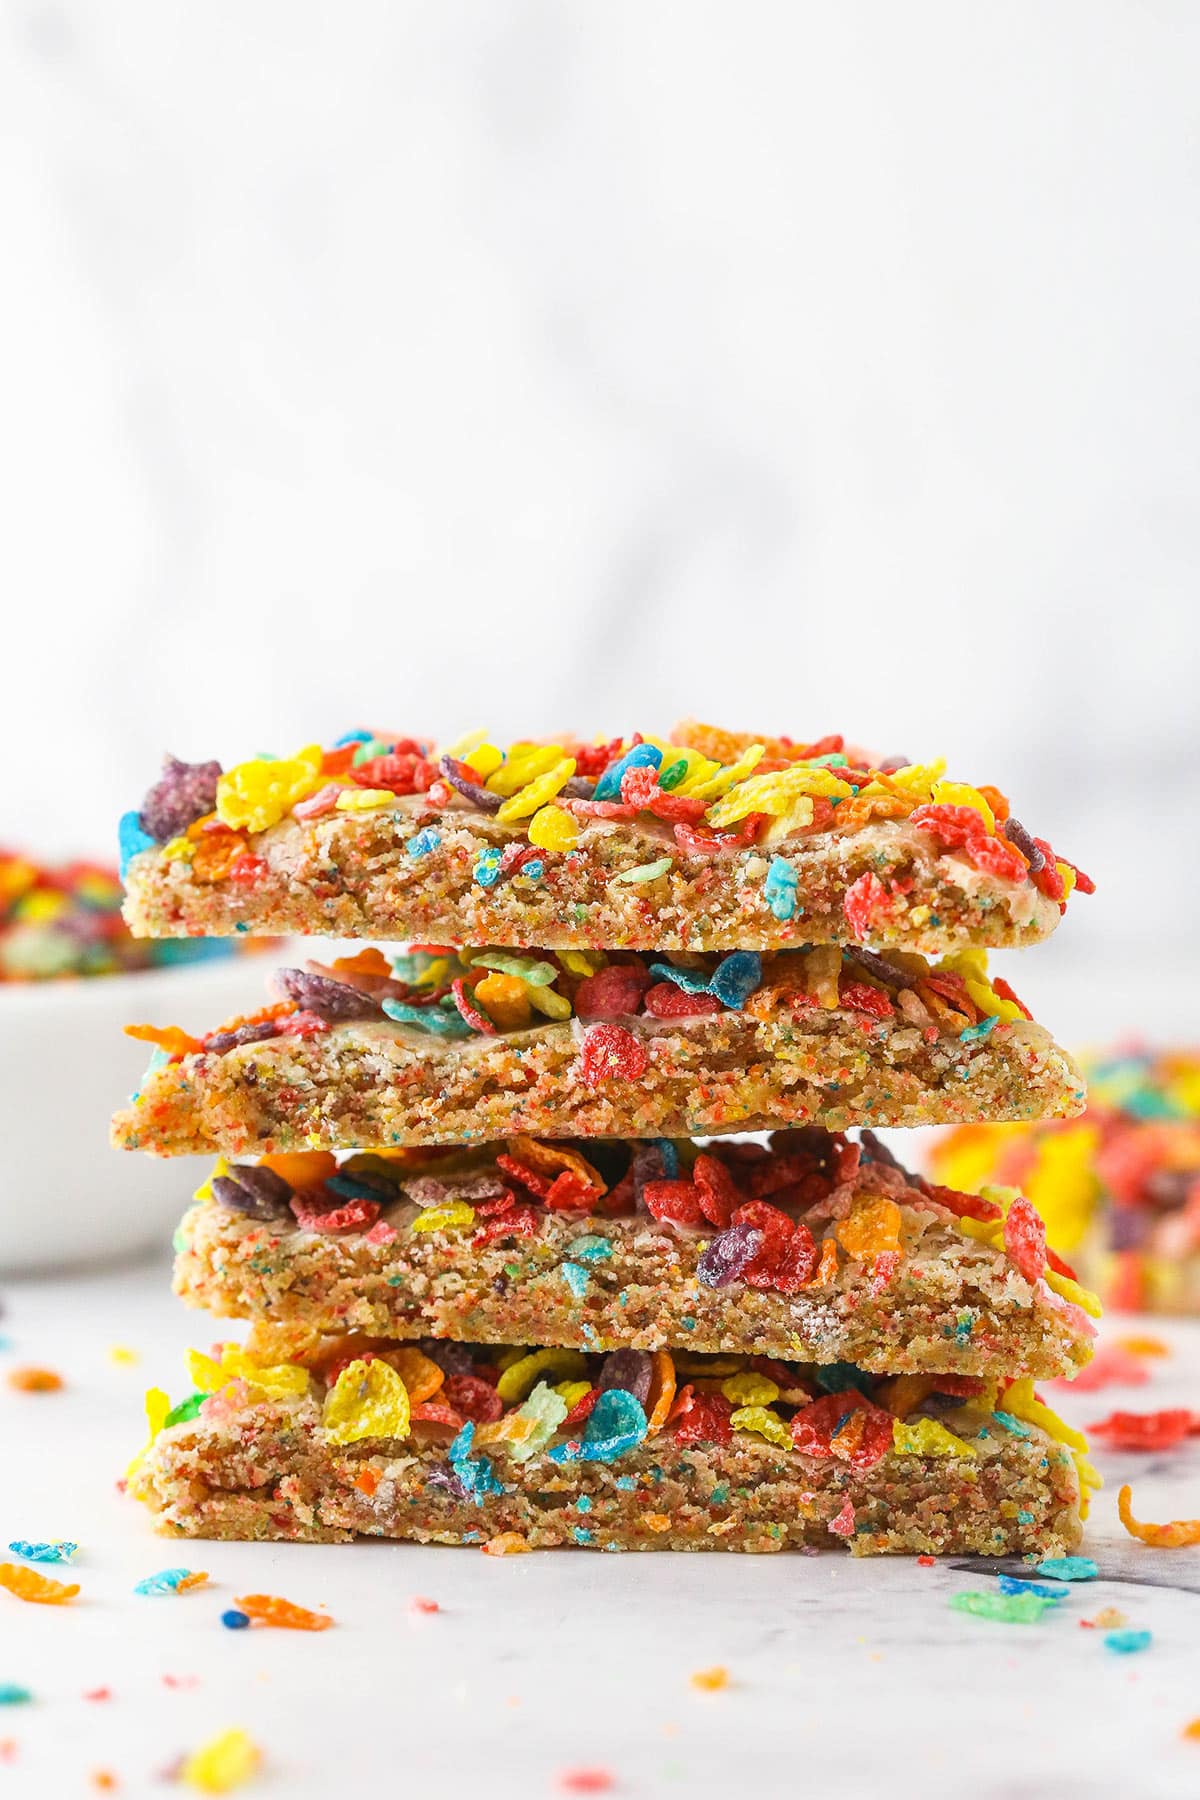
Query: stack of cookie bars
(498, 1291)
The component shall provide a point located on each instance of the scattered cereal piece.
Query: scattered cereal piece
(1192, 1730)
(1009, 1609)
(59, 1550)
(711, 1680)
(927, 1562)
(269, 1609)
(171, 1581)
(100, 1693)
(34, 1380)
(13, 1695)
(27, 1584)
(1172, 1536)
(585, 1781)
(420, 1604)
(1069, 1568)
(1143, 1346)
(105, 1780)
(1015, 1584)
(122, 1357)
(222, 1764)
(1125, 1643)
(233, 1620)
(1109, 1618)
(843, 1525)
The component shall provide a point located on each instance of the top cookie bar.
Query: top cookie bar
(708, 840)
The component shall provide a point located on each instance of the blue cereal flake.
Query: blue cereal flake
(166, 1581)
(1070, 1568)
(1125, 1643)
(1016, 1427)
(736, 977)
(131, 840)
(590, 1248)
(582, 1535)
(13, 1695)
(732, 982)
(669, 1151)
(423, 842)
(1013, 1584)
(60, 1550)
(476, 1474)
(576, 1278)
(352, 737)
(972, 1032)
(616, 1424)
(642, 756)
(487, 868)
(233, 1620)
(533, 871)
(444, 1021)
(780, 889)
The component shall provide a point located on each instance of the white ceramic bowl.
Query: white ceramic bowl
(66, 1197)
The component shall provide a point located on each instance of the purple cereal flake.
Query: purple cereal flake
(456, 774)
(329, 999)
(443, 1479)
(879, 966)
(648, 1164)
(728, 1254)
(183, 793)
(429, 1190)
(579, 788)
(631, 1370)
(258, 1192)
(452, 1358)
(218, 1042)
(1021, 840)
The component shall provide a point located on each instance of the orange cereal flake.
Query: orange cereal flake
(1171, 1536)
(32, 1380)
(27, 1584)
(710, 1681)
(505, 1543)
(269, 1609)
(172, 1040)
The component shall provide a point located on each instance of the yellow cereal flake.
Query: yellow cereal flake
(518, 1379)
(360, 799)
(927, 1437)
(763, 1422)
(158, 1405)
(1020, 1401)
(204, 1192)
(224, 1763)
(368, 1400)
(253, 796)
(537, 793)
(916, 780)
(750, 1389)
(959, 793)
(777, 793)
(451, 1215)
(522, 765)
(553, 829)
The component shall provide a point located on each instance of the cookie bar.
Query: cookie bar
(709, 840)
(431, 1049)
(543, 1449)
(1120, 1186)
(811, 1248)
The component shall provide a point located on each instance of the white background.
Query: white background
(814, 368)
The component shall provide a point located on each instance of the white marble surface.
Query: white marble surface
(847, 1678)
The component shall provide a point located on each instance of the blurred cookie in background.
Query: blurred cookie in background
(1119, 1188)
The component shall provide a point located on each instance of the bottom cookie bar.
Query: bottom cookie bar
(633, 1451)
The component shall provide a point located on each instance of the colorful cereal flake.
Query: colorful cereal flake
(58, 1550)
(171, 1581)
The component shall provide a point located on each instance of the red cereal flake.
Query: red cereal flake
(247, 869)
(963, 1206)
(401, 771)
(432, 1412)
(865, 900)
(860, 996)
(514, 1221)
(582, 1407)
(884, 1270)
(716, 1190)
(777, 1229)
(586, 1781)
(611, 1053)
(478, 1021)
(703, 1418)
(301, 1025)
(962, 828)
(666, 1001)
(1149, 1430)
(355, 1215)
(421, 1603)
(826, 1427)
(1025, 1239)
(614, 993)
(676, 1202)
(472, 1397)
(927, 1562)
(843, 1525)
